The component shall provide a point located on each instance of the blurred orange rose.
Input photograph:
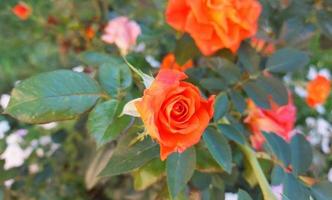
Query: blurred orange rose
(279, 120)
(262, 46)
(173, 112)
(215, 24)
(169, 62)
(89, 33)
(318, 91)
(22, 10)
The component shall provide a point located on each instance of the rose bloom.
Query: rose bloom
(22, 10)
(279, 120)
(173, 112)
(89, 33)
(215, 24)
(262, 46)
(318, 91)
(169, 62)
(123, 32)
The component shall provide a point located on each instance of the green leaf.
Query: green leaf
(94, 58)
(275, 88)
(126, 159)
(287, 60)
(322, 191)
(213, 84)
(226, 69)
(257, 94)
(301, 154)
(238, 100)
(232, 133)
(279, 147)
(115, 77)
(180, 168)
(104, 122)
(53, 96)
(219, 148)
(243, 195)
(148, 174)
(220, 106)
(185, 49)
(325, 23)
(293, 189)
(248, 58)
(200, 180)
(277, 175)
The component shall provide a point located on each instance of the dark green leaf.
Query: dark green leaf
(243, 195)
(301, 154)
(219, 148)
(231, 133)
(115, 76)
(238, 100)
(104, 123)
(287, 60)
(200, 180)
(53, 96)
(293, 189)
(226, 69)
(325, 23)
(248, 58)
(180, 168)
(277, 175)
(185, 49)
(279, 147)
(220, 106)
(127, 159)
(275, 88)
(213, 84)
(322, 191)
(257, 94)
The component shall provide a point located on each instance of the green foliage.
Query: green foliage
(278, 147)
(180, 168)
(322, 190)
(53, 96)
(301, 154)
(219, 148)
(221, 106)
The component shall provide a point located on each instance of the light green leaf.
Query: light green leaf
(115, 77)
(104, 123)
(53, 96)
(219, 148)
(180, 168)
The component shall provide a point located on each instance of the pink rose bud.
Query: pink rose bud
(123, 32)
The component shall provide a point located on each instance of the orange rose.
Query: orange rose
(279, 120)
(262, 46)
(318, 91)
(169, 62)
(215, 24)
(22, 10)
(173, 112)
(89, 33)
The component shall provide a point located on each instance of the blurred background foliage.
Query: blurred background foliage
(61, 161)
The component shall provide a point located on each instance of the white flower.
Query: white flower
(320, 133)
(277, 191)
(312, 73)
(231, 196)
(45, 140)
(329, 175)
(4, 100)
(4, 127)
(14, 156)
(300, 91)
(33, 168)
(79, 68)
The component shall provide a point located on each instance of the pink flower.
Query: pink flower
(279, 120)
(123, 32)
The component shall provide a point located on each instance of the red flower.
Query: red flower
(22, 10)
